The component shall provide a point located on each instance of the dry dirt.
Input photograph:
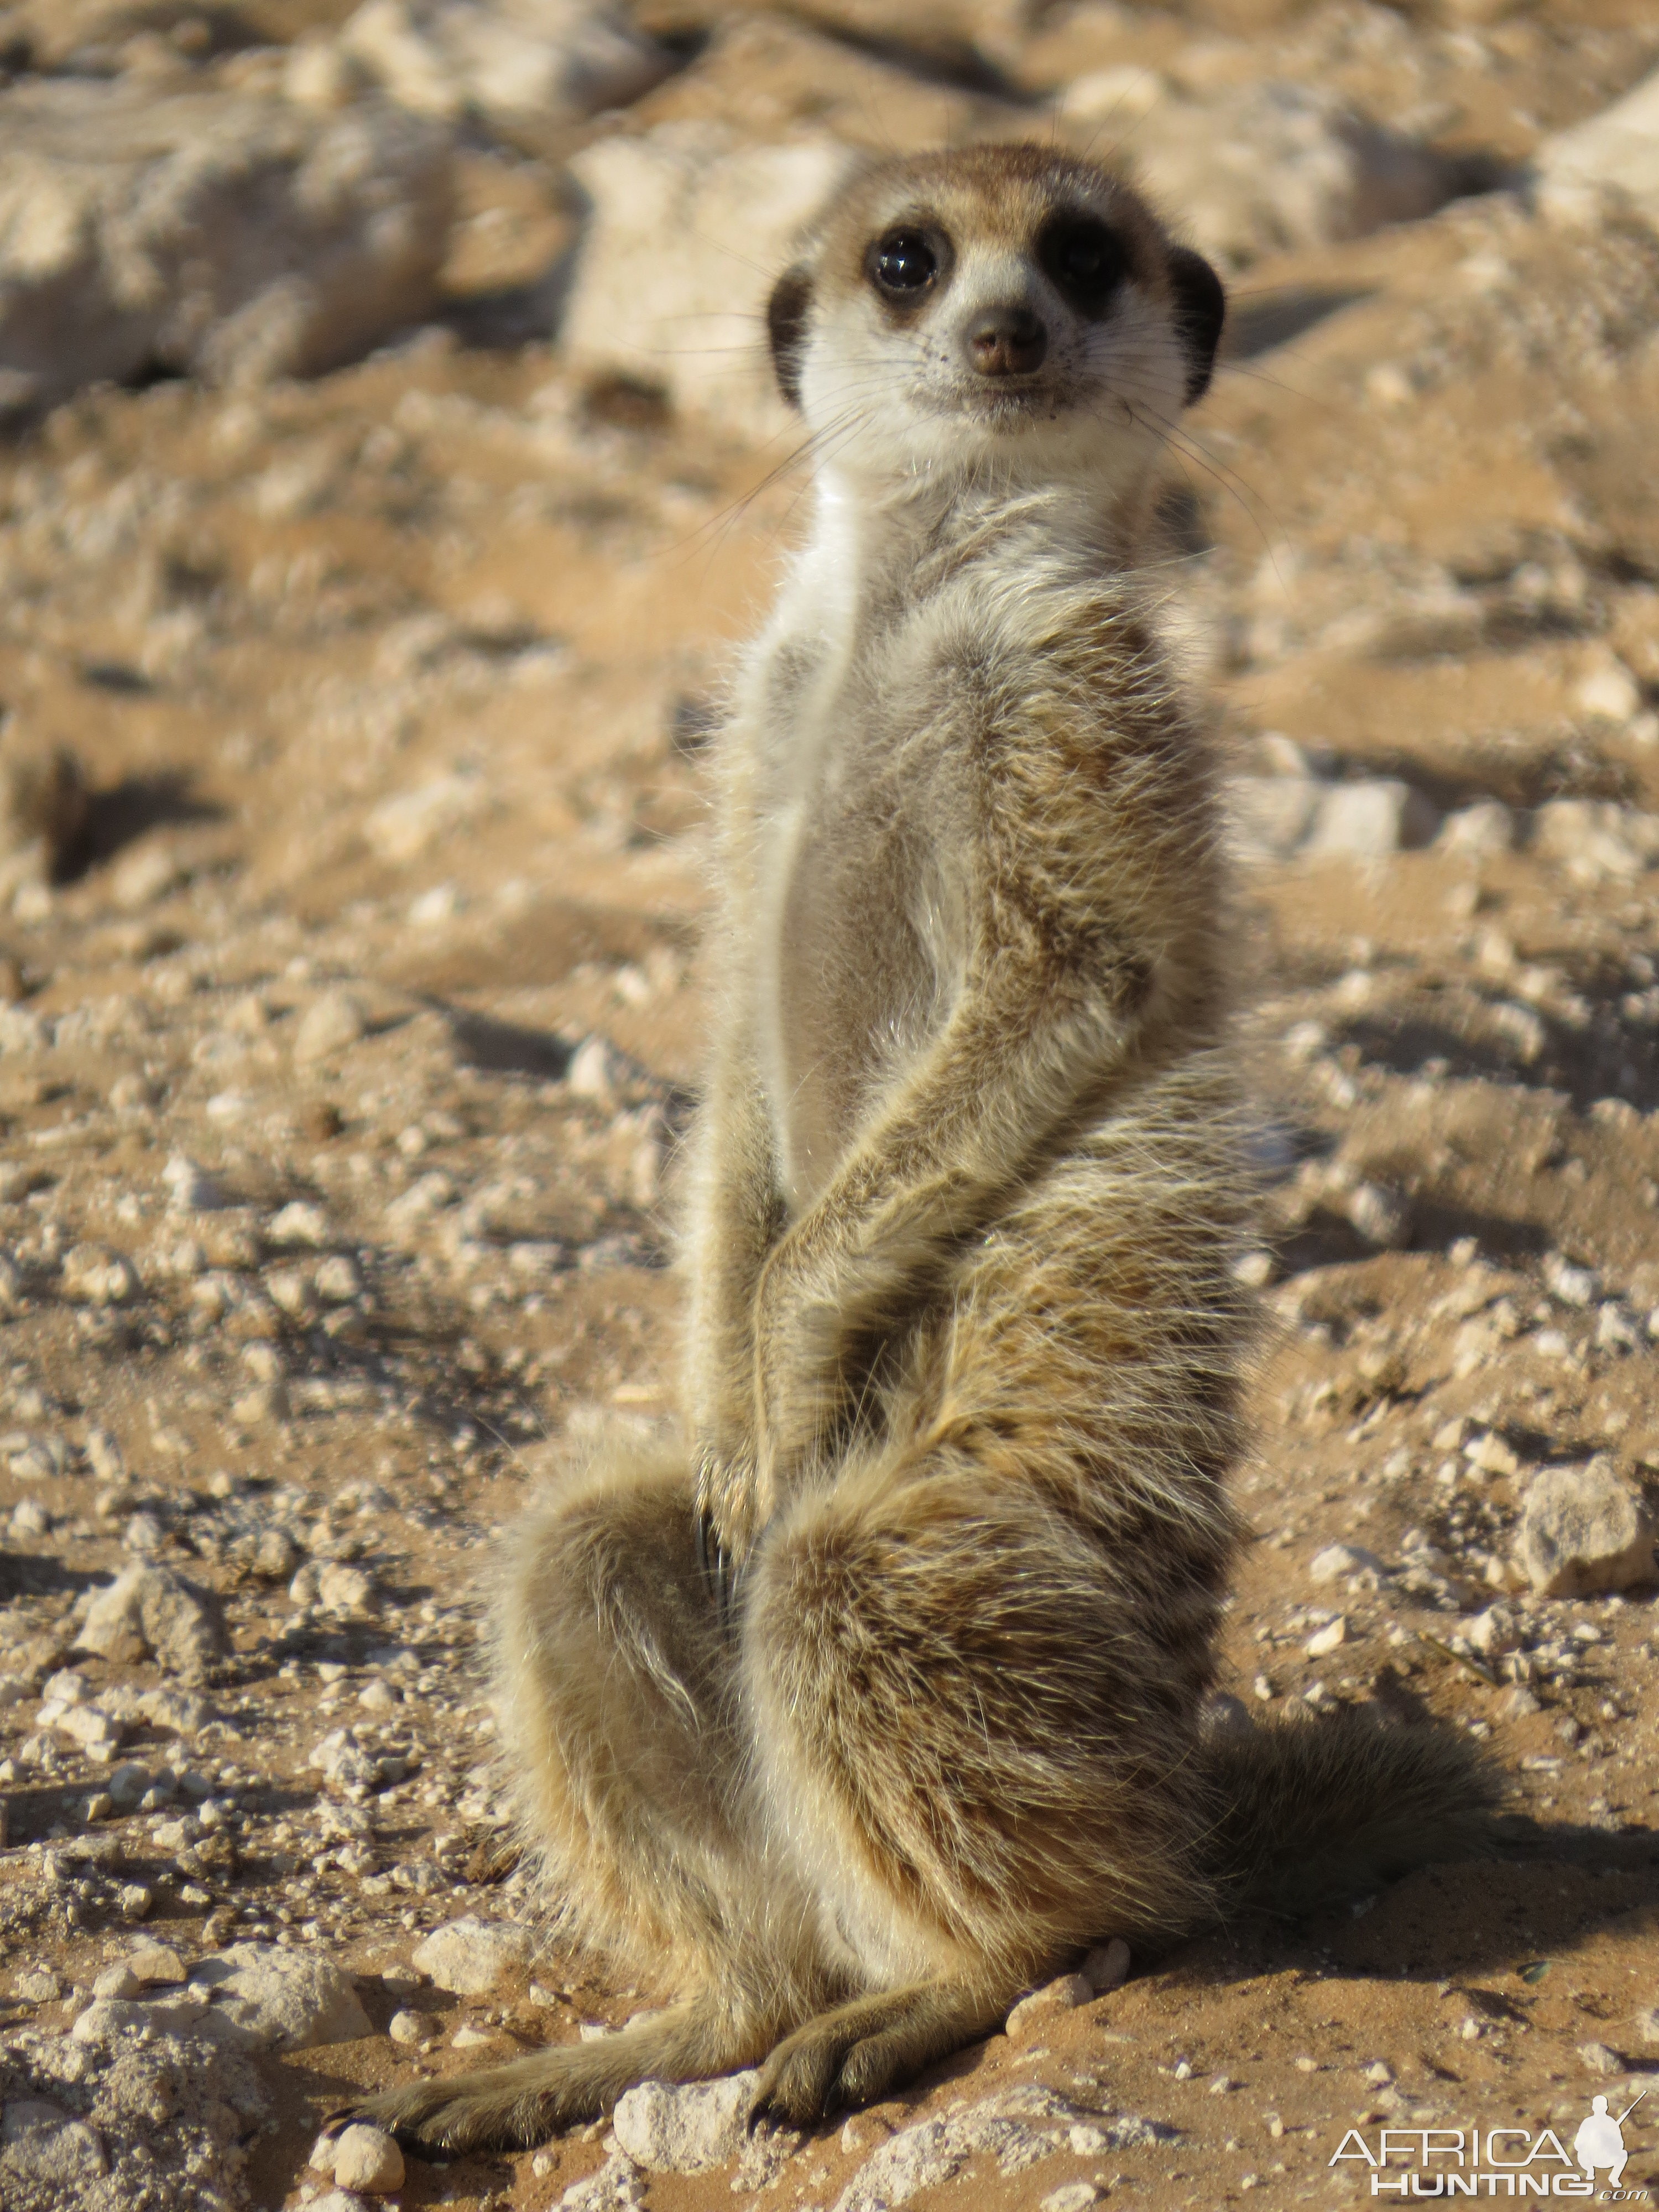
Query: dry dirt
(390, 691)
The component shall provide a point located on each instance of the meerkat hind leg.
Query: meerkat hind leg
(855, 2053)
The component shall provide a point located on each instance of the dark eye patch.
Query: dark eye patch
(904, 264)
(1084, 260)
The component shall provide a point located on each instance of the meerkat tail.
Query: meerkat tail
(1309, 1813)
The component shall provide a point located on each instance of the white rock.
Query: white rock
(1381, 1213)
(210, 232)
(1613, 156)
(690, 227)
(1609, 692)
(685, 2127)
(30, 1519)
(300, 1222)
(190, 1188)
(1016, 2127)
(368, 2159)
(1572, 1285)
(468, 1956)
(345, 1590)
(517, 66)
(1275, 818)
(108, 2021)
(338, 1279)
(1487, 826)
(612, 2187)
(1064, 1994)
(1494, 1632)
(1271, 815)
(150, 1610)
(1596, 839)
(1070, 2197)
(46, 2156)
(1491, 1455)
(328, 1025)
(408, 2028)
(1583, 1531)
(1275, 166)
(283, 1999)
(93, 1729)
(94, 1277)
(401, 827)
(1369, 818)
(1326, 1639)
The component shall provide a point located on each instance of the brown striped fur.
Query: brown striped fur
(879, 1699)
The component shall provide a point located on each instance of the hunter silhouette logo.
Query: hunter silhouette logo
(1418, 2163)
(1600, 2140)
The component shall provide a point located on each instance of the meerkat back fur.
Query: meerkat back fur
(882, 1697)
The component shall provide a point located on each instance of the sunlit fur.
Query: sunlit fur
(879, 1698)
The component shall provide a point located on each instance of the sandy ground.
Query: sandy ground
(390, 690)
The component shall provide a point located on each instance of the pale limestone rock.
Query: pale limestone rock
(1613, 157)
(468, 1956)
(283, 1999)
(688, 228)
(685, 2127)
(212, 232)
(1584, 1530)
(1065, 1994)
(149, 1609)
(329, 1024)
(520, 67)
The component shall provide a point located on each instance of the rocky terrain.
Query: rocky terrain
(388, 463)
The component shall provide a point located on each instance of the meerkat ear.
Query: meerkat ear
(1200, 310)
(785, 328)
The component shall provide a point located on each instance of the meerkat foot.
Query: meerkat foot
(508, 2108)
(855, 2054)
(516, 2106)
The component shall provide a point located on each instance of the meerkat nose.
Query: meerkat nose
(1007, 342)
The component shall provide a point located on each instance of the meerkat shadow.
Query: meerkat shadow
(1529, 1894)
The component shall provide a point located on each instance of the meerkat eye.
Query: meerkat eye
(903, 263)
(1083, 259)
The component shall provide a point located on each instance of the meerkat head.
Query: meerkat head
(1006, 311)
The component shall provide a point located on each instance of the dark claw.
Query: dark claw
(714, 1565)
(721, 1572)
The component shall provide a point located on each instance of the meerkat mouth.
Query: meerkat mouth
(1008, 405)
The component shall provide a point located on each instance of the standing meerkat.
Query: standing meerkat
(881, 1698)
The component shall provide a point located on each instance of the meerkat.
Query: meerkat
(881, 1697)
